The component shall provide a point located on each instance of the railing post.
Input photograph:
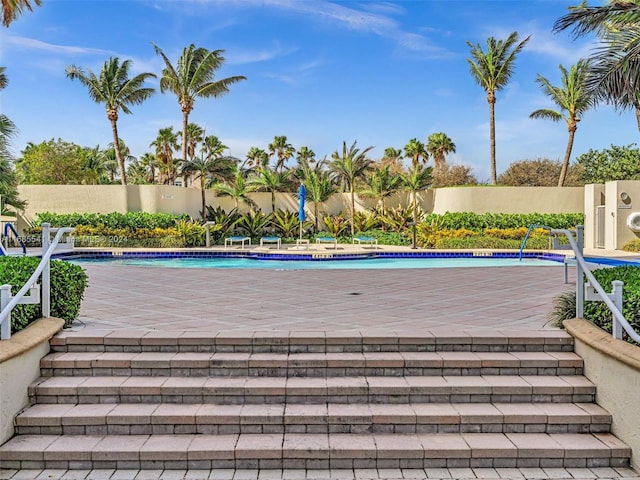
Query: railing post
(208, 230)
(5, 298)
(579, 274)
(46, 274)
(616, 296)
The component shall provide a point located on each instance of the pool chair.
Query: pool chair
(331, 240)
(365, 240)
(274, 240)
(229, 241)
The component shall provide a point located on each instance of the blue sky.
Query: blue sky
(319, 72)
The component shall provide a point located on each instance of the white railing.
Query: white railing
(37, 293)
(594, 290)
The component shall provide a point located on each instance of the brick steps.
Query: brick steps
(114, 418)
(322, 364)
(272, 400)
(270, 390)
(472, 450)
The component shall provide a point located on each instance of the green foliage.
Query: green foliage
(396, 219)
(192, 233)
(541, 172)
(254, 224)
(129, 220)
(225, 222)
(366, 220)
(564, 308)
(615, 163)
(388, 237)
(53, 162)
(483, 241)
(68, 282)
(478, 222)
(632, 245)
(336, 225)
(449, 176)
(286, 223)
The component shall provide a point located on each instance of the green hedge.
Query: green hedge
(478, 222)
(130, 220)
(68, 283)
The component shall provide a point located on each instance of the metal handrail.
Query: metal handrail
(9, 226)
(526, 237)
(583, 267)
(43, 269)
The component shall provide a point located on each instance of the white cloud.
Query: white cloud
(37, 45)
(243, 57)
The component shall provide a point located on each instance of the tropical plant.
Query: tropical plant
(573, 98)
(282, 149)
(492, 70)
(195, 135)
(96, 166)
(438, 146)
(305, 157)
(151, 165)
(615, 163)
(166, 143)
(396, 219)
(205, 168)
(193, 77)
(237, 188)
(336, 225)
(117, 91)
(8, 178)
(416, 151)
(192, 233)
(615, 64)
(382, 183)
(417, 179)
(286, 223)
(225, 222)
(271, 181)
(12, 8)
(53, 162)
(366, 221)
(319, 189)
(257, 157)
(348, 167)
(254, 223)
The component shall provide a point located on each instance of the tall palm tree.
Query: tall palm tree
(257, 157)
(151, 164)
(319, 189)
(8, 177)
(416, 179)
(416, 151)
(439, 145)
(208, 166)
(615, 64)
(166, 143)
(492, 70)
(237, 188)
(573, 98)
(392, 157)
(348, 167)
(12, 8)
(111, 161)
(194, 136)
(117, 91)
(271, 181)
(97, 165)
(305, 156)
(282, 149)
(193, 77)
(382, 183)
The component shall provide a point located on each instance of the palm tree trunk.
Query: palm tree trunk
(273, 201)
(353, 212)
(315, 217)
(116, 148)
(567, 155)
(185, 122)
(492, 136)
(638, 116)
(204, 208)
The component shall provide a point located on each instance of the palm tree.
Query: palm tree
(12, 8)
(282, 150)
(319, 189)
(348, 167)
(392, 157)
(8, 177)
(615, 65)
(416, 179)
(208, 166)
(271, 181)
(150, 163)
(117, 91)
(492, 70)
(305, 156)
(572, 97)
(257, 157)
(193, 77)
(439, 145)
(97, 165)
(382, 183)
(166, 143)
(194, 136)
(237, 188)
(416, 151)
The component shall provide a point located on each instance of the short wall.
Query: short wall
(20, 366)
(614, 367)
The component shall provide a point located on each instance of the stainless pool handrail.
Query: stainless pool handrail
(39, 295)
(583, 270)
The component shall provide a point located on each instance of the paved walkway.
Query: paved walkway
(439, 300)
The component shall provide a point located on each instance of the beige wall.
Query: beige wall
(614, 367)
(617, 233)
(20, 366)
(509, 199)
(594, 196)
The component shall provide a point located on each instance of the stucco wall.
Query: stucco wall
(614, 367)
(617, 211)
(509, 199)
(20, 366)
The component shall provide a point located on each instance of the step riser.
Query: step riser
(307, 372)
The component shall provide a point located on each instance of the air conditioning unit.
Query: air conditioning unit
(633, 221)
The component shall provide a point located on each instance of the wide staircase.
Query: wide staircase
(314, 401)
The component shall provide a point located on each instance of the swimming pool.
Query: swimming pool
(319, 261)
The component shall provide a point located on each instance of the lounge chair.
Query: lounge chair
(364, 239)
(237, 239)
(275, 240)
(325, 239)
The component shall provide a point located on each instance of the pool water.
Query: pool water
(365, 263)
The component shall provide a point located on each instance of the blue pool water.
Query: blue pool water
(321, 264)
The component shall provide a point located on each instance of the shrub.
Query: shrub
(632, 245)
(541, 172)
(129, 220)
(536, 243)
(478, 222)
(68, 282)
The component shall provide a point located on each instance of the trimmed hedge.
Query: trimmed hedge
(68, 283)
(114, 220)
(478, 222)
